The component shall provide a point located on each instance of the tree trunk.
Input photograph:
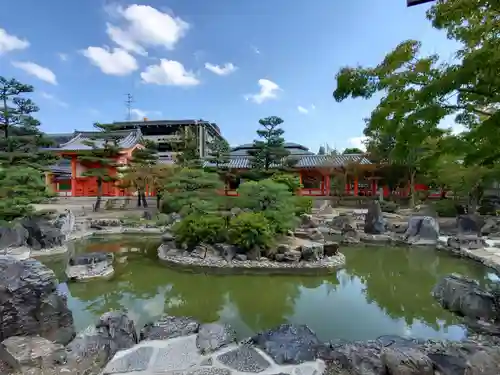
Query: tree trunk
(158, 201)
(97, 206)
(144, 201)
(412, 188)
(139, 198)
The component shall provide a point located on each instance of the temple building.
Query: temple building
(316, 171)
(67, 177)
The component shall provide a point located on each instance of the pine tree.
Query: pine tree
(21, 141)
(322, 150)
(140, 169)
(187, 150)
(103, 156)
(271, 151)
(21, 158)
(219, 153)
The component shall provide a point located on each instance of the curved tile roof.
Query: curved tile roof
(78, 143)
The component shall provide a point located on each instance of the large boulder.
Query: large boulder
(422, 230)
(90, 266)
(14, 236)
(42, 234)
(374, 219)
(289, 344)
(30, 303)
(469, 225)
(169, 327)
(465, 297)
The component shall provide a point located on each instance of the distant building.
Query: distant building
(67, 177)
(411, 3)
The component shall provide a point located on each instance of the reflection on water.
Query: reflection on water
(381, 291)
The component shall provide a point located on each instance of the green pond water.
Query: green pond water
(381, 291)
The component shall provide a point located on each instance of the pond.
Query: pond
(381, 291)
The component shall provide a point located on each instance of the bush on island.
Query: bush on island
(195, 229)
(250, 230)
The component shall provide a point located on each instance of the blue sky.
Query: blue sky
(227, 61)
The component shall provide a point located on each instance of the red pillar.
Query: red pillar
(73, 175)
(356, 186)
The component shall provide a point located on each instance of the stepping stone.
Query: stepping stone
(130, 360)
(244, 359)
(179, 353)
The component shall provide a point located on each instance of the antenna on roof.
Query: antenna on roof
(128, 103)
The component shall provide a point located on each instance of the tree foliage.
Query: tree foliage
(187, 150)
(419, 92)
(21, 141)
(219, 153)
(352, 150)
(102, 158)
(190, 191)
(269, 151)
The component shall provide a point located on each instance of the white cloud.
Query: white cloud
(53, 99)
(358, 142)
(305, 110)
(302, 110)
(117, 61)
(255, 50)
(63, 56)
(221, 70)
(36, 70)
(143, 25)
(268, 90)
(169, 73)
(11, 42)
(139, 114)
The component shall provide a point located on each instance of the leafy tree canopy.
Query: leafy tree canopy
(270, 150)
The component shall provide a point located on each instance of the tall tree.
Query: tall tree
(140, 169)
(322, 150)
(403, 112)
(270, 151)
(21, 141)
(219, 152)
(103, 158)
(187, 149)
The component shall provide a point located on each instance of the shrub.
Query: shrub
(303, 205)
(273, 200)
(388, 206)
(291, 181)
(445, 207)
(163, 220)
(250, 230)
(195, 229)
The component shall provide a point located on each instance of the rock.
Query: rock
(312, 251)
(167, 237)
(228, 252)
(30, 303)
(491, 227)
(29, 351)
(254, 254)
(374, 219)
(484, 362)
(422, 230)
(331, 248)
(100, 223)
(343, 222)
(244, 359)
(279, 257)
(169, 327)
(14, 236)
(120, 329)
(463, 296)
(466, 241)
(361, 358)
(42, 234)
(313, 234)
(213, 336)
(90, 266)
(65, 222)
(288, 344)
(375, 239)
(147, 215)
(283, 248)
(406, 361)
(469, 225)
(241, 257)
(292, 256)
(350, 236)
(307, 221)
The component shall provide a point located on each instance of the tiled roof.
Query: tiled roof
(78, 143)
(305, 161)
(292, 148)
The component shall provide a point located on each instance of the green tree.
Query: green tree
(20, 187)
(322, 150)
(187, 150)
(21, 141)
(103, 157)
(192, 191)
(404, 112)
(270, 151)
(352, 150)
(219, 153)
(140, 169)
